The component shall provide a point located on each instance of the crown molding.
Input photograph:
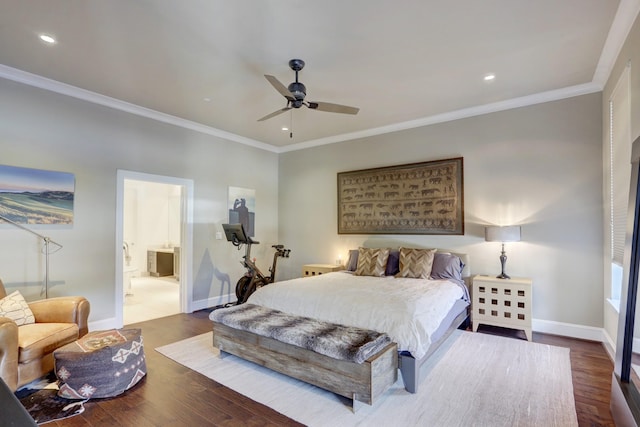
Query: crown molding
(96, 98)
(622, 22)
(464, 113)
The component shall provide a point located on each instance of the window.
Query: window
(619, 176)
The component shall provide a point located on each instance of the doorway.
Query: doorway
(153, 246)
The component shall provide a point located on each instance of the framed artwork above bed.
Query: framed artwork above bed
(417, 198)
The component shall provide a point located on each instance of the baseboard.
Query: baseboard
(100, 325)
(569, 330)
(212, 302)
(609, 345)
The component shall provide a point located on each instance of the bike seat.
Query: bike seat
(254, 242)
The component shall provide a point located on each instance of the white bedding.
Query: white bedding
(408, 310)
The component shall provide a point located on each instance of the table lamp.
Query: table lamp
(502, 234)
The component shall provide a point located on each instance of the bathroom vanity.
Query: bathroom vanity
(160, 261)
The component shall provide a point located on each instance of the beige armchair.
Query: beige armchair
(26, 352)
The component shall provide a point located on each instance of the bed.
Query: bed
(417, 311)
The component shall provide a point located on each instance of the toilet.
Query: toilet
(129, 272)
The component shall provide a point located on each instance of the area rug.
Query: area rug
(472, 380)
(40, 399)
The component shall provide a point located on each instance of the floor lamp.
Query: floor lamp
(47, 241)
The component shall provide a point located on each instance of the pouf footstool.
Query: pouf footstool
(100, 364)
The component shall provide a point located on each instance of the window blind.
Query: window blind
(620, 148)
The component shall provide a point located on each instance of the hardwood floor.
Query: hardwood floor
(174, 395)
(591, 370)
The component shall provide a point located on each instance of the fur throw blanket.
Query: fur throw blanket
(336, 341)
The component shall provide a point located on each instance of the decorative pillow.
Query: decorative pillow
(416, 263)
(393, 263)
(16, 308)
(352, 262)
(447, 266)
(372, 262)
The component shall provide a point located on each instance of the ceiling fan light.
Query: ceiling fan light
(296, 92)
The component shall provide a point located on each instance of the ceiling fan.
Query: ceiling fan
(296, 93)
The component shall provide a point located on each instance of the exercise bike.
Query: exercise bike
(253, 279)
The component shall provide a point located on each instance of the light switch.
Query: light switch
(218, 235)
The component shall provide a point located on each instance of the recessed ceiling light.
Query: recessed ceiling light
(285, 128)
(489, 77)
(206, 99)
(47, 38)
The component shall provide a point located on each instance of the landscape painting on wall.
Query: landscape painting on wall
(418, 198)
(34, 196)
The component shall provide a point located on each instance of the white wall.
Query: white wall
(539, 166)
(44, 130)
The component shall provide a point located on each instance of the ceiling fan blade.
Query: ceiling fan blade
(275, 113)
(280, 87)
(332, 108)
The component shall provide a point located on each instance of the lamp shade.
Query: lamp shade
(502, 234)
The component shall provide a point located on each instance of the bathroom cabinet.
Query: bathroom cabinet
(160, 262)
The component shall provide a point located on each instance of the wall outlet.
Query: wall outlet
(218, 235)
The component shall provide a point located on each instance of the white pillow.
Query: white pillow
(16, 308)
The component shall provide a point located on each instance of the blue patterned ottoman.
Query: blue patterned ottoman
(100, 364)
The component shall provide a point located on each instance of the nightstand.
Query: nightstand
(502, 302)
(309, 270)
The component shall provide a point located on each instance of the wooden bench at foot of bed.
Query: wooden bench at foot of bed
(363, 382)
